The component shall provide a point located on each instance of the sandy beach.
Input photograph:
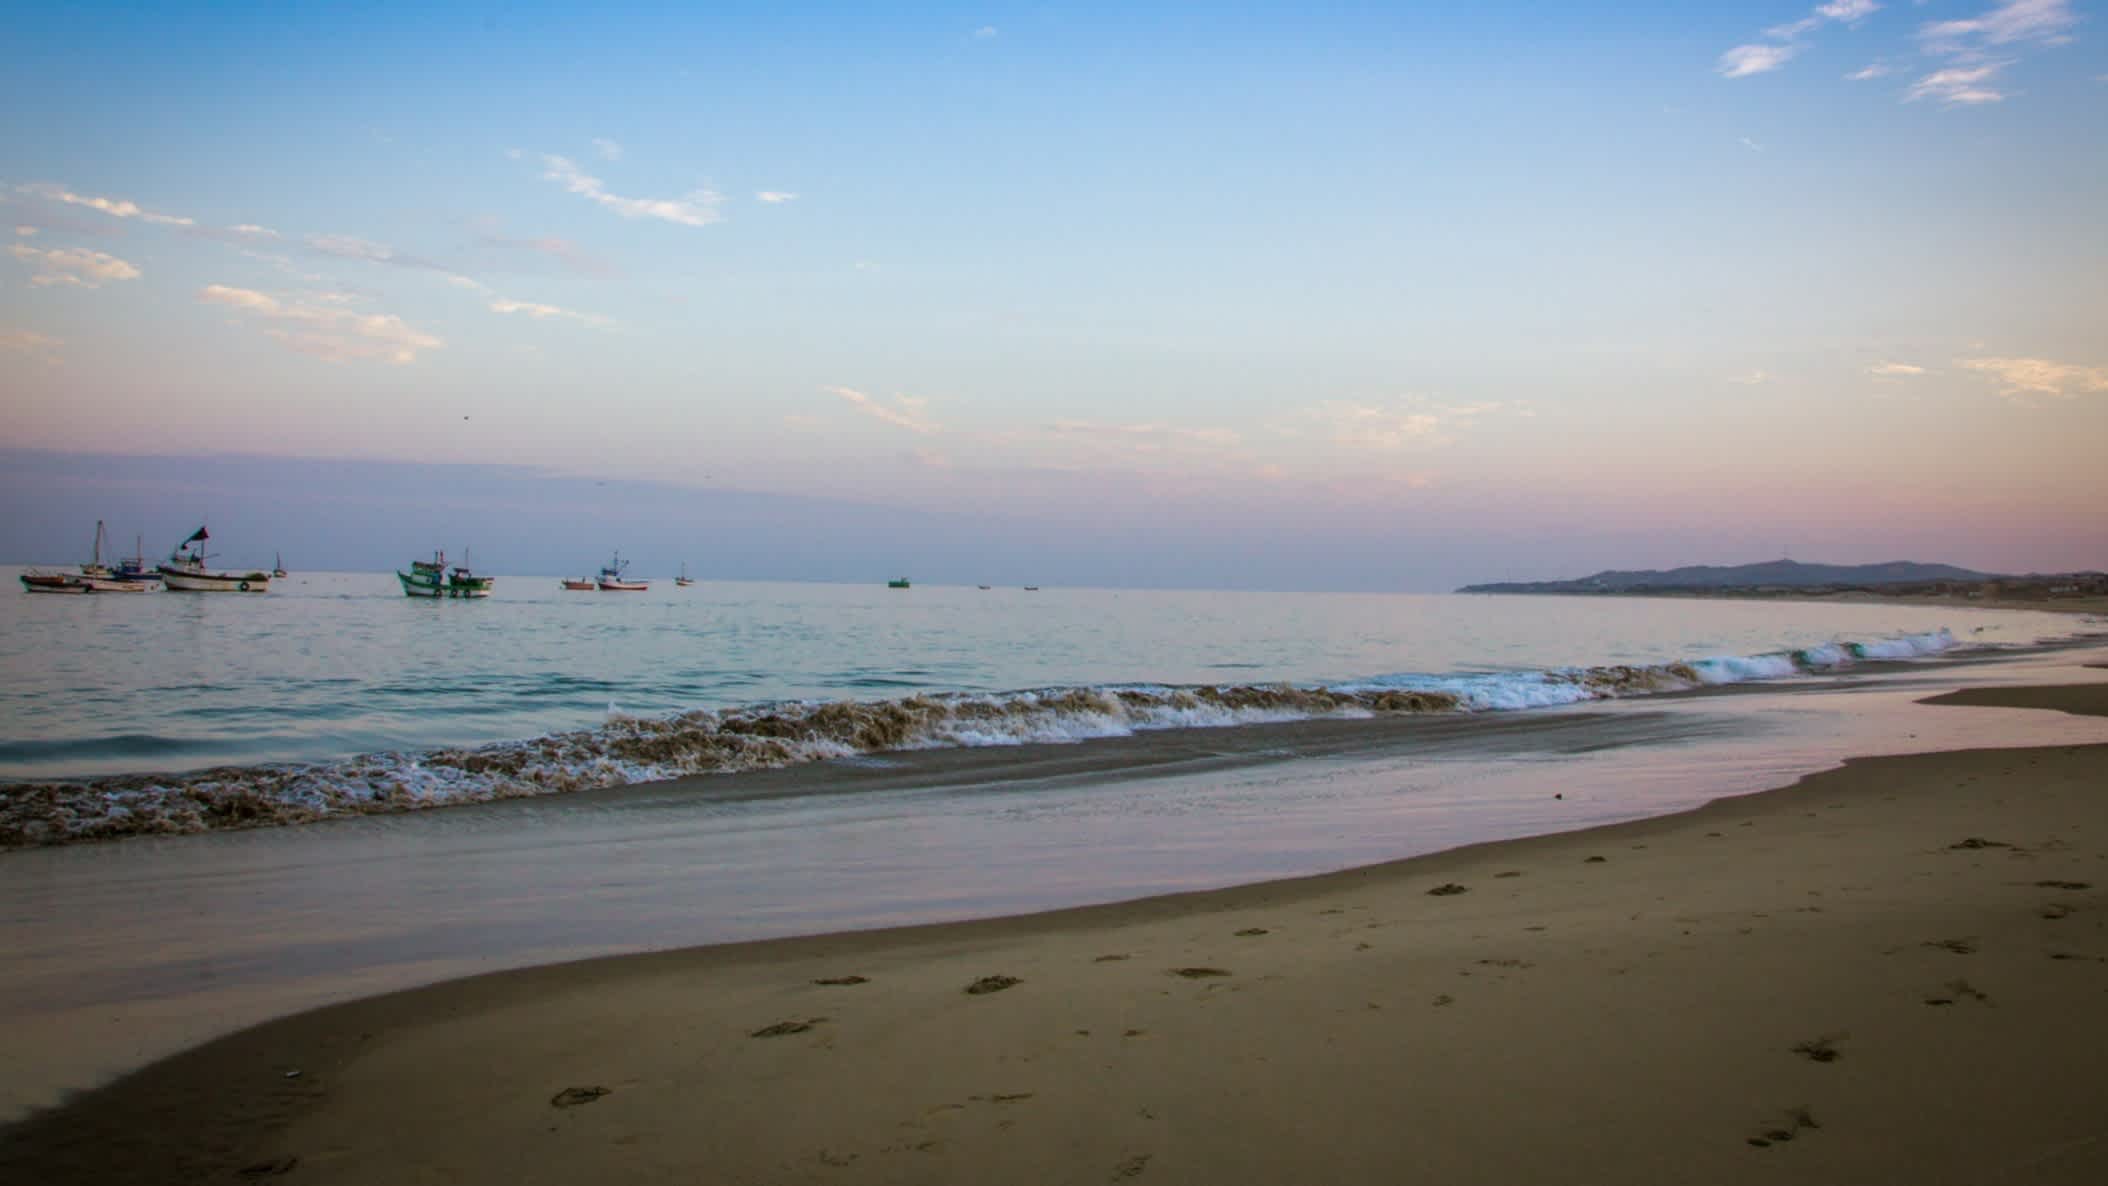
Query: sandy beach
(1894, 971)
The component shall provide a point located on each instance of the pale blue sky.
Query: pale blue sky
(1642, 275)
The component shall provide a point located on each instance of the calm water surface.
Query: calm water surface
(329, 665)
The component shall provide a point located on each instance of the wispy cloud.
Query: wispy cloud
(1963, 85)
(696, 208)
(323, 330)
(570, 254)
(353, 247)
(28, 343)
(2048, 22)
(1890, 370)
(72, 267)
(247, 233)
(1750, 378)
(775, 197)
(2008, 28)
(905, 411)
(985, 33)
(1745, 60)
(1396, 424)
(114, 207)
(2023, 377)
(1784, 41)
(1870, 71)
(26, 231)
(608, 149)
(540, 312)
(1751, 145)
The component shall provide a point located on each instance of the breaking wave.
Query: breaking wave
(629, 749)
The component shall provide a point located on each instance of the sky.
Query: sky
(1314, 296)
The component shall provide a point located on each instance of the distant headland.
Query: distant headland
(1788, 578)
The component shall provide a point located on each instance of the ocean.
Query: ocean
(334, 694)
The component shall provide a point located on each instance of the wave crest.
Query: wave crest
(627, 749)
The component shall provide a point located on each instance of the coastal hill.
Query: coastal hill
(1770, 575)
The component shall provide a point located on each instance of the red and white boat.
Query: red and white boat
(612, 579)
(579, 584)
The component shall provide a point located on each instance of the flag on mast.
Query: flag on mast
(199, 534)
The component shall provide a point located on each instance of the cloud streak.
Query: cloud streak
(1784, 41)
(696, 208)
(324, 331)
(2024, 377)
(541, 312)
(904, 412)
(114, 207)
(72, 267)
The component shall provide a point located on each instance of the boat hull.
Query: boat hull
(624, 586)
(178, 581)
(115, 585)
(41, 582)
(418, 585)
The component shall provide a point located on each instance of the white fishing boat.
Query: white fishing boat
(684, 580)
(612, 579)
(185, 571)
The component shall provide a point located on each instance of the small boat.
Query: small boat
(984, 588)
(100, 578)
(53, 582)
(1031, 588)
(580, 584)
(684, 580)
(433, 579)
(132, 570)
(277, 566)
(185, 571)
(897, 583)
(612, 579)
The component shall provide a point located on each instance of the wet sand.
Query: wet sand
(1894, 971)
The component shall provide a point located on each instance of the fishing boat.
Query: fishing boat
(277, 566)
(897, 583)
(185, 571)
(101, 578)
(684, 580)
(132, 570)
(434, 579)
(580, 584)
(53, 582)
(612, 579)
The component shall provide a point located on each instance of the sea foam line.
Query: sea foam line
(627, 749)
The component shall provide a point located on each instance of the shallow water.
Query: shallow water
(124, 951)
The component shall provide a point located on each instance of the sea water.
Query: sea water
(334, 694)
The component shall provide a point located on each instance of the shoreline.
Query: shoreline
(460, 1074)
(762, 743)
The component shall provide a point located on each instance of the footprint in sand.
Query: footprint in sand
(1957, 946)
(1448, 888)
(988, 984)
(782, 1028)
(843, 980)
(1198, 973)
(1822, 1049)
(1250, 931)
(1796, 1118)
(1131, 1167)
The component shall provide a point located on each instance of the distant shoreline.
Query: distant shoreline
(2084, 604)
